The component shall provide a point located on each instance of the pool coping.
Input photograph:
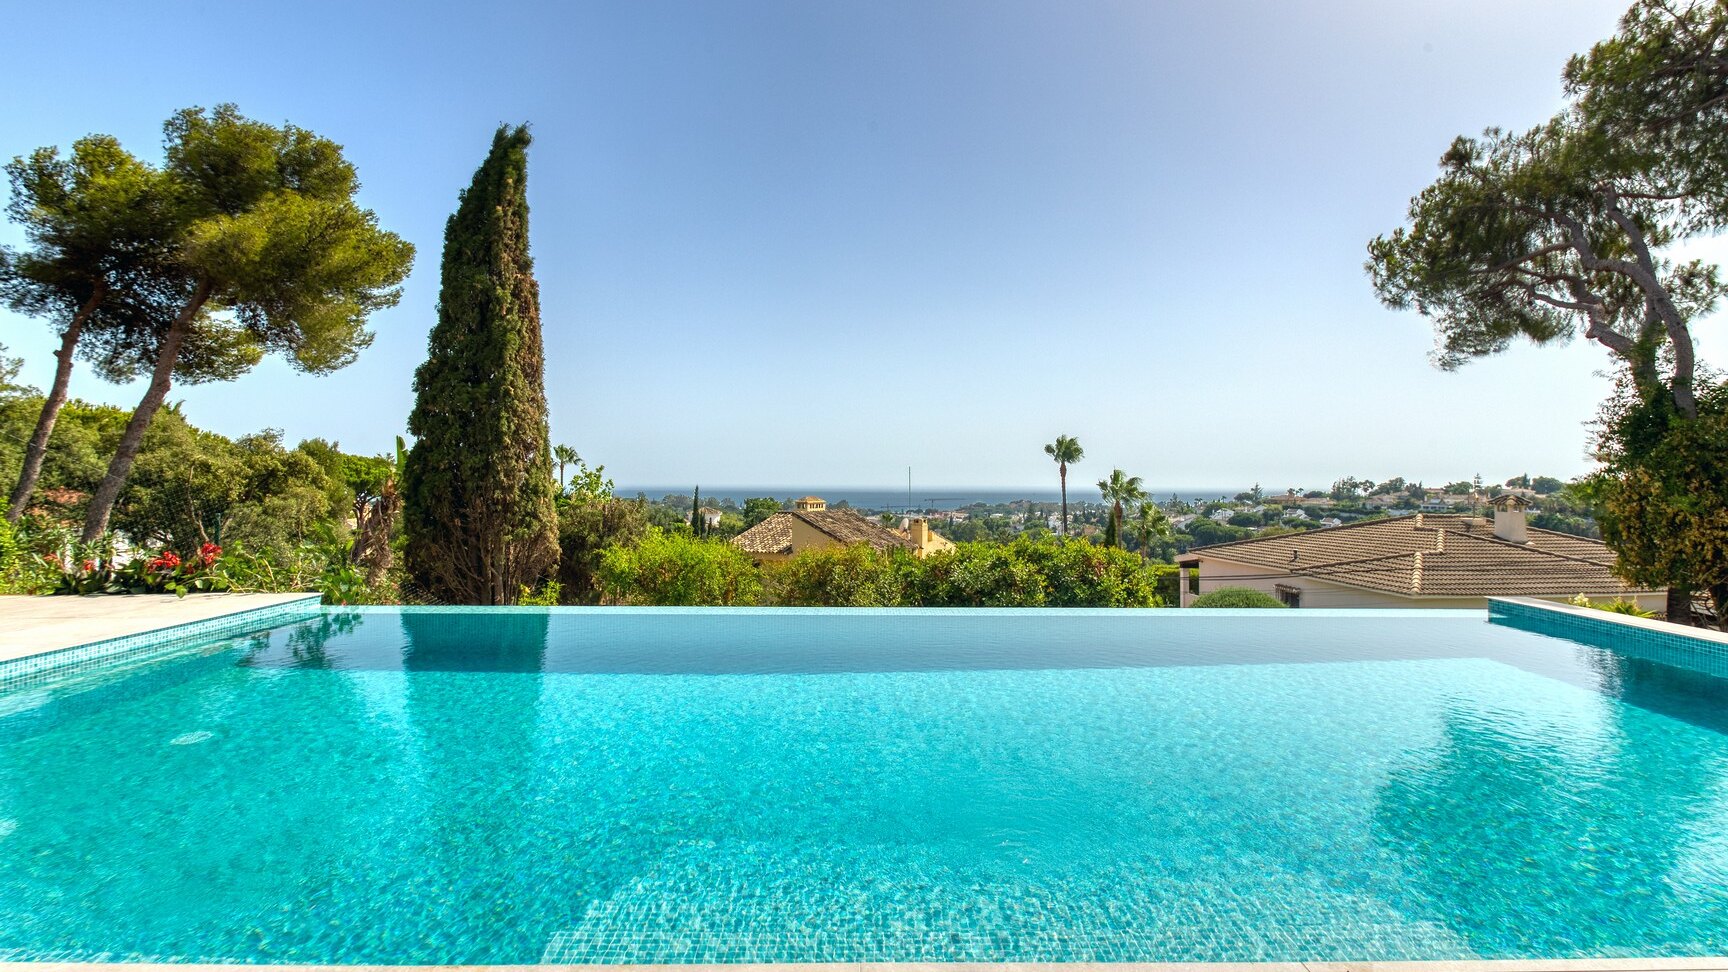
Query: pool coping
(1669, 964)
(248, 615)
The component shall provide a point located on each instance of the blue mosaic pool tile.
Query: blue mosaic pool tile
(31, 669)
(1692, 649)
(506, 786)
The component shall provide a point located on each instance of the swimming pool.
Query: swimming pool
(510, 786)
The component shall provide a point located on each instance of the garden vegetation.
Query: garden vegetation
(246, 240)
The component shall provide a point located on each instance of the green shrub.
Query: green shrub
(672, 568)
(547, 596)
(677, 569)
(978, 575)
(1025, 573)
(854, 576)
(1617, 606)
(1076, 573)
(341, 582)
(1236, 597)
(273, 570)
(588, 525)
(34, 560)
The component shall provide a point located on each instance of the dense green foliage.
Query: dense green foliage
(262, 225)
(1661, 499)
(97, 268)
(854, 576)
(478, 488)
(1565, 227)
(759, 508)
(1572, 227)
(590, 521)
(278, 513)
(1027, 573)
(246, 240)
(1658, 89)
(1119, 489)
(674, 568)
(1236, 597)
(1617, 606)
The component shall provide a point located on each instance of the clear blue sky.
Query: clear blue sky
(814, 243)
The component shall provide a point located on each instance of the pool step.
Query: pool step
(765, 906)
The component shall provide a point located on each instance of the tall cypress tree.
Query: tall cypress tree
(477, 490)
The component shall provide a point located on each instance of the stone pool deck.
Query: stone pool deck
(1718, 964)
(34, 625)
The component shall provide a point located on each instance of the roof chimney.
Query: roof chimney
(918, 530)
(1509, 519)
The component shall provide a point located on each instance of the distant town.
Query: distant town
(1195, 518)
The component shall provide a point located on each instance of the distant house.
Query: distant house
(1421, 560)
(810, 525)
(1440, 502)
(710, 517)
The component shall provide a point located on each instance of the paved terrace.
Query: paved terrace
(32, 625)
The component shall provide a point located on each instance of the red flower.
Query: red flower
(166, 560)
(89, 565)
(208, 553)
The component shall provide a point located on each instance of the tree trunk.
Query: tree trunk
(102, 503)
(37, 450)
(1679, 607)
(1063, 473)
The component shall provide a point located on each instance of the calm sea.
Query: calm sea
(923, 498)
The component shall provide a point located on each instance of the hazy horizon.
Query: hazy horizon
(780, 241)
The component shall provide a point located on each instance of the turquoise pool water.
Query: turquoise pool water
(424, 786)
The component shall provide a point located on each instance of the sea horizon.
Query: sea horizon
(922, 497)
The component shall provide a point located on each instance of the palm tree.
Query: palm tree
(1066, 451)
(1120, 488)
(563, 455)
(1151, 524)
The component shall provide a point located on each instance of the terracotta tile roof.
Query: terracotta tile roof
(771, 536)
(774, 535)
(1381, 555)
